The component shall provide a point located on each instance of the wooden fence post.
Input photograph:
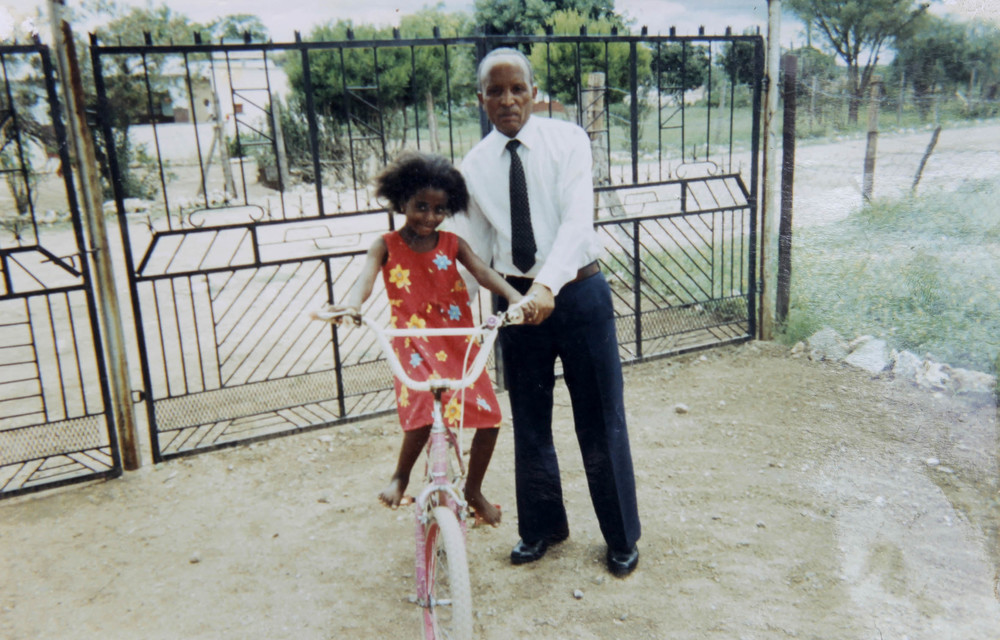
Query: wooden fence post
(870, 149)
(923, 160)
(769, 210)
(279, 143)
(92, 206)
(783, 290)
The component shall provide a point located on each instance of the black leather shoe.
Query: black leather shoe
(622, 563)
(524, 552)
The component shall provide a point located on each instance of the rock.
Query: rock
(578, 594)
(931, 375)
(680, 407)
(905, 365)
(827, 344)
(966, 381)
(870, 354)
(857, 342)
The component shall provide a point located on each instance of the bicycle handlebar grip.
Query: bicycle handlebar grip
(515, 312)
(515, 316)
(336, 317)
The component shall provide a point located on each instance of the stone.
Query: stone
(932, 375)
(870, 354)
(827, 344)
(967, 381)
(905, 365)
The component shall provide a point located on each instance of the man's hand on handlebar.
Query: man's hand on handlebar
(541, 306)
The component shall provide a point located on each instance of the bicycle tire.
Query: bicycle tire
(448, 615)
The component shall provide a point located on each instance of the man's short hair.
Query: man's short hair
(504, 55)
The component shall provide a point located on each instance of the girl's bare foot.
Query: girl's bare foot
(392, 495)
(486, 511)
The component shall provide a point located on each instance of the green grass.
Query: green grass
(922, 273)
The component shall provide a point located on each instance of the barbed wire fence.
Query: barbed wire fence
(915, 135)
(893, 219)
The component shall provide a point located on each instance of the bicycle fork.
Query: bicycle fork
(440, 491)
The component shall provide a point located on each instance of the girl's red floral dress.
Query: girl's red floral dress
(426, 291)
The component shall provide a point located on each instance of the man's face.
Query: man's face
(507, 98)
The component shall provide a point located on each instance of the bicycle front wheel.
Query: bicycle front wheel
(448, 615)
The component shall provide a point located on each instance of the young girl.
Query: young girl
(422, 282)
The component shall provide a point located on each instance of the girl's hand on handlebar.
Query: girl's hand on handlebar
(518, 309)
(335, 313)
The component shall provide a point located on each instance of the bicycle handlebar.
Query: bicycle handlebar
(489, 329)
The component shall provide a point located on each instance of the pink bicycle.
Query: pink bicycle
(442, 570)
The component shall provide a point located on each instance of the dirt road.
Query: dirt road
(793, 499)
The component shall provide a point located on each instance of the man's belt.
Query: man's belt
(585, 272)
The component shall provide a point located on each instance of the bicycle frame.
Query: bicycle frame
(441, 490)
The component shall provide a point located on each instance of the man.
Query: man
(545, 244)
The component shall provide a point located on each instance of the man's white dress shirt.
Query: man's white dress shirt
(558, 168)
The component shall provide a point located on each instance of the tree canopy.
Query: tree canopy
(946, 56)
(555, 65)
(235, 27)
(523, 17)
(679, 67)
(857, 31)
(400, 73)
(127, 25)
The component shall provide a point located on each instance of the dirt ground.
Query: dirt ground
(792, 499)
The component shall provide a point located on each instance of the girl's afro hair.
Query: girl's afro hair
(412, 171)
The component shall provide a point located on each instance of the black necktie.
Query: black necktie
(522, 237)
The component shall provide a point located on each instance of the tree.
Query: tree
(679, 67)
(516, 17)
(857, 30)
(555, 66)
(374, 89)
(237, 26)
(815, 73)
(339, 76)
(125, 77)
(431, 82)
(128, 26)
(813, 63)
(936, 56)
(984, 63)
(21, 133)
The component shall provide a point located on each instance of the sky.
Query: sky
(285, 17)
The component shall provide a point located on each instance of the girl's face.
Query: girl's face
(426, 210)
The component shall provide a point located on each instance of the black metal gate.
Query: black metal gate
(270, 212)
(55, 426)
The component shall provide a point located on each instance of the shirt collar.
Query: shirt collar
(528, 135)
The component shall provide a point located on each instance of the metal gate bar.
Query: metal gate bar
(218, 284)
(55, 426)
